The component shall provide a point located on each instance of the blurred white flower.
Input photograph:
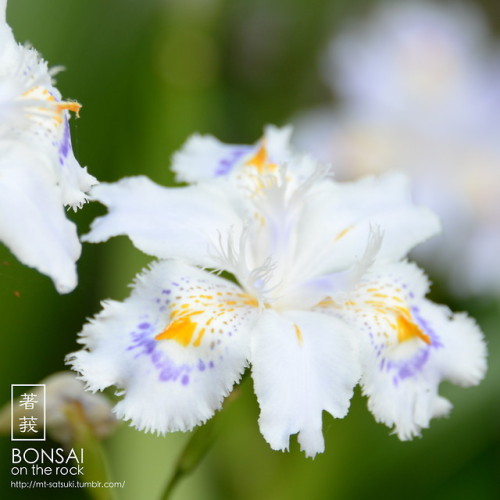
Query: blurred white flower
(38, 171)
(63, 390)
(419, 91)
(322, 297)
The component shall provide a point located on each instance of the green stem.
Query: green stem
(95, 466)
(171, 485)
(197, 447)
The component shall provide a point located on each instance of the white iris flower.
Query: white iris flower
(39, 174)
(322, 298)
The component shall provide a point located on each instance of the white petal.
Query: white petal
(409, 345)
(302, 363)
(48, 130)
(337, 222)
(74, 179)
(7, 42)
(63, 389)
(176, 346)
(277, 141)
(166, 222)
(32, 219)
(388, 201)
(204, 157)
(37, 116)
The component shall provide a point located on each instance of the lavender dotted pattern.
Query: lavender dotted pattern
(226, 164)
(148, 326)
(410, 367)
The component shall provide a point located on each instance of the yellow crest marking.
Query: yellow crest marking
(181, 330)
(70, 106)
(260, 160)
(408, 330)
(298, 333)
(42, 94)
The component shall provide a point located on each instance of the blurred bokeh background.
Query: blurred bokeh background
(150, 73)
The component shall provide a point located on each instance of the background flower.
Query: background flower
(418, 87)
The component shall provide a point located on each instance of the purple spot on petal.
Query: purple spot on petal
(416, 363)
(144, 325)
(226, 164)
(149, 346)
(167, 369)
(185, 380)
(65, 143)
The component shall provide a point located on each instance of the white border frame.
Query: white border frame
(12, 438)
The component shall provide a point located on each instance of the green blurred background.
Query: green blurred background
(149, 73)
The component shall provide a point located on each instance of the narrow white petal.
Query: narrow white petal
(32, 220)
(176, 346)
(302, 363)
(409, 345)
(165, 222)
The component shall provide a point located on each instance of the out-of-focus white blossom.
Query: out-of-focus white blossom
(64, 394)
(418, 85)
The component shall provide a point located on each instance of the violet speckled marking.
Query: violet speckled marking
(144, 344)
(423, 323)
(198, 363)
(226, 164)
(167, 369)
(414, 365)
